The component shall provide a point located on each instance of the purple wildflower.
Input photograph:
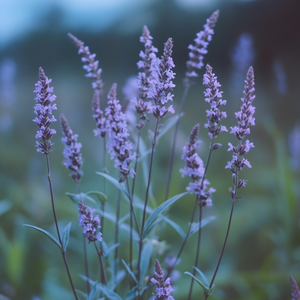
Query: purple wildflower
(118, 146)
(145, 76)
(171, 261)
(162, 83)
(295, 289)
(90, 64)
(245, 119)
(194, 168)
(213, 97)
(43, 109)
(163, 287)
(89, 223)
(199, 49)
(294, 145)
(72, 154)
(98, 116)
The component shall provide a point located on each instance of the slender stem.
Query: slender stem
(146, 199)
(86, 266)
(117, 237)
(222, 251)
(104, 163)
(63, 252)
(174, 142)
(136, 160)
(197, 251)
(103, 279)
(184, 241)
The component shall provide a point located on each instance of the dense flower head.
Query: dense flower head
(213, 96)
(162, 83)
(145, 76)
(118, 145)
(295, 288)
(163, 287)
(98, 116)
(245, 119)
(90, 64)
(43, 110)
(72, 150)
(194, 168)
(89, 224)
(199, 49)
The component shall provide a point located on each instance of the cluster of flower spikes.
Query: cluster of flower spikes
(162, 82)
(199, 49)
(43, 110)
(89, 224)
(163, 287)
(93, 72)
(194, 169)
(245, 119)
(72, 154)
(118, 145)
(145, 75)
(214, 97)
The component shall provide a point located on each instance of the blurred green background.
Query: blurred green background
(263, 246)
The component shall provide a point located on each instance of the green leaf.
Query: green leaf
(108, 251)
(202, 276)
(159, 210)
(109, 293)
(149, 229)
(126, 227)
(5, 205)
(100, 196)
(129, 271)
(205, 288)
(175, 226)
(47, 234)
(146, 255)
(92, 293)
(77, 197)
(115, 182)
(80, 293)
(204, 222)
(133, 293)
(65, 236)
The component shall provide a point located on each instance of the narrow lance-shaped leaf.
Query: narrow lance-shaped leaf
(129, 271)
(47, 234)
(146, 255)
(65, 236)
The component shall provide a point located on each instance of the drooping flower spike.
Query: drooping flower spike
(199, 49)
(43, 110)
(72, 150)
(163, 287)
(245, 120)
(89, 224)
(194, 169)
(118, 145)
(90, 64)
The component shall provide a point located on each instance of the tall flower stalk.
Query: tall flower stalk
(245, 119)
(44, 118)
(197, 52)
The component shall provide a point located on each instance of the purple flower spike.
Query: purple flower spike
(163, 82)
(194, 168)
(98, 116)
(199, 49)
(214, 98)
(163, 287)
(43, 110)
(72, 154)
(90, 64)
(89, 224)
(145, 76)
(118, 146)
(245, 119)
(295, 289)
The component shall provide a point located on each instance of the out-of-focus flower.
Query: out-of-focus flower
(294, 145)
(118, 145)
(163, 287)
(199, 49)
(280, 76)
(98, 116)
(89, 224)
(72, 154)
(295, 289)
(43, 110)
